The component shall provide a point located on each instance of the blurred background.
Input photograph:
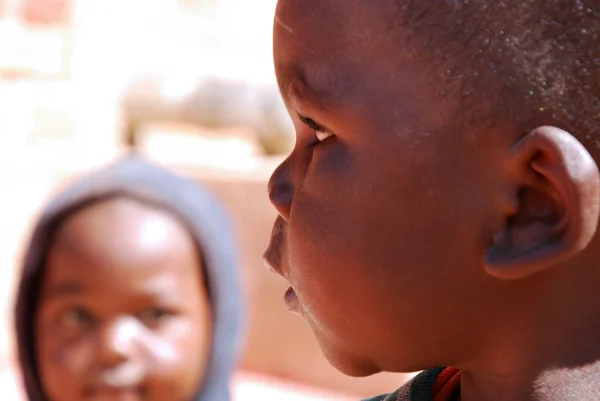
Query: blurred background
(190, 83)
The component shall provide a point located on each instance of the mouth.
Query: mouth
(121, 383)
(272, 256)
(269, 264)
(290, 300)
(273, 262)
(108, 393)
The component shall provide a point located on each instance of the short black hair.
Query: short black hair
(534, 62)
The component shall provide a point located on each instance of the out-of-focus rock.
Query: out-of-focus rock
(210, 102)
(212, 67)
(224, 149)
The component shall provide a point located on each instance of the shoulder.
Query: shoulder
(401, 394)
(382, 397)
(420, 388)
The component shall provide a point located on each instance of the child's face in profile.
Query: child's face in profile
(123, 311)
(379, 231)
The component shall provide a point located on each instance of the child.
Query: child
(129, 292)
(441, 202)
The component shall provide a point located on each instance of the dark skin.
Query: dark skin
(124, 313)
(411, 242)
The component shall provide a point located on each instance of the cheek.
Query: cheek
(364, 226)
(330, 253)
(178, 358)
(379, 204)
(62, 366)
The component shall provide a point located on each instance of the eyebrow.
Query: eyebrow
(64, 288)
(163, 289)
(312, 124)
(311, 85)
(162, 286)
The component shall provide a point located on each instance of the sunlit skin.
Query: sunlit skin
(123, 313)
(412, 241)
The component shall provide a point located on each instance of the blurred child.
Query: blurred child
(129, 292)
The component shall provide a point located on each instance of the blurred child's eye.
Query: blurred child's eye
(76, 318)
(321, 132)
(153, 316)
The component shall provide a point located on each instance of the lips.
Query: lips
(273, 260)
(272, 256)
(126, 375)
(290, 300)
(120, 383)
(107, 393)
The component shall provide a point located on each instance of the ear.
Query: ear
(555, 205)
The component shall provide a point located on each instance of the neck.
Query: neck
(579, 383)
(547, 348)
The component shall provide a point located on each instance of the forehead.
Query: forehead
(326, 43)
(351, 56)
(122, 237)
(357, 16)
(122, 221)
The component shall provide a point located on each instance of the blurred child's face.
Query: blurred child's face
(123, 312)
(381, 219)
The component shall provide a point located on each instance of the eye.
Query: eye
(322, 135)
(153, 316)
(75, 318)
(321, 132)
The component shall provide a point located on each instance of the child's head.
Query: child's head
(122, 304)
(120, 298)
(424, 220)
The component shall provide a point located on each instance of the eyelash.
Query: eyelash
(321, 132)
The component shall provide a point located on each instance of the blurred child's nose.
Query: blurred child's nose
(281, 188)
(117, 341)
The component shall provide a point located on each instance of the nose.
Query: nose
(117, 341)
(281, 189)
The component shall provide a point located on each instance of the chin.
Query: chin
(353, 368)
(345, 362)
(350, 365)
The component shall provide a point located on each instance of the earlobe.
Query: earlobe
(557, 196)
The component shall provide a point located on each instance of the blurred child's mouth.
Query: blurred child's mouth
(115, 394)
